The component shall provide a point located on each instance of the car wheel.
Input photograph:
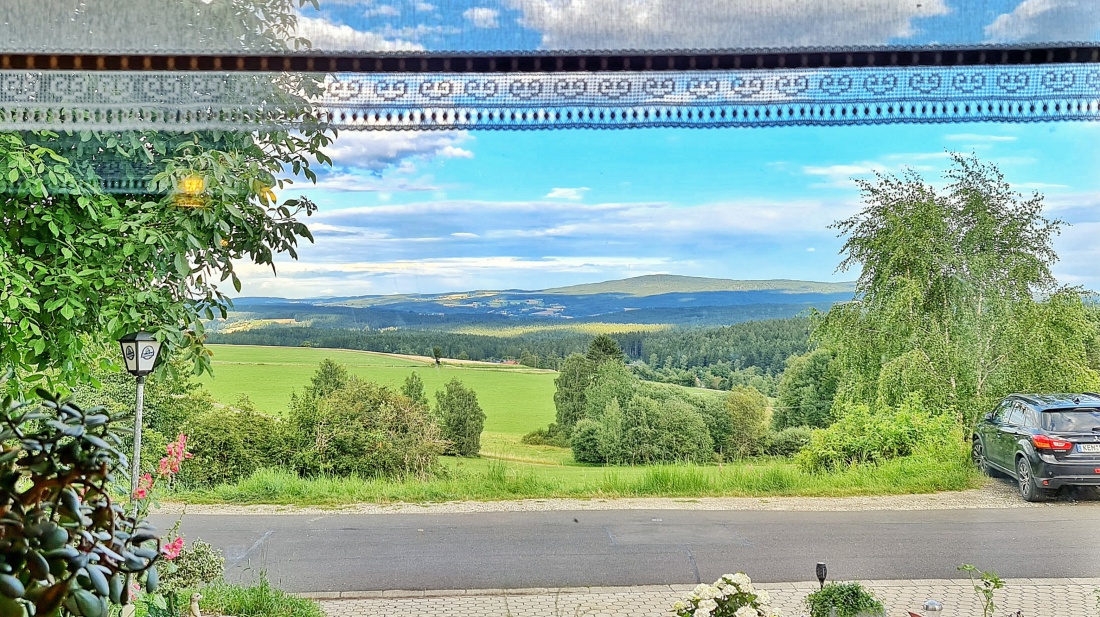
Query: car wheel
(1029, 490)
(977, 454)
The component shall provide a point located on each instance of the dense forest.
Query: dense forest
(689, 356)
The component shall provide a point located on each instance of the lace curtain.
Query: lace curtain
(535, 64)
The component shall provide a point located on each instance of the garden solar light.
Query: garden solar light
(190, 190)
(932, 606)
(139, 352)
(822, 572)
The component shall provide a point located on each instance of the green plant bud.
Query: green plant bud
(11, 586)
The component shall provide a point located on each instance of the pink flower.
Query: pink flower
(145, 484)
(177, 453)
(172, 549)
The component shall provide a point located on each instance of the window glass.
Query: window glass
(1015, 416)
(1072, 420)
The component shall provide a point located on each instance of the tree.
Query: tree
(747, 409)
(437, 353)
(947, 280)
(81, 262)
(569, 391)
(603, 348)
(413, 388)
(806, 391)
(462, 416)
(329, 377)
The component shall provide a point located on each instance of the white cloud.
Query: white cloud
(424, 7)
(574, 194)
(378, 150)
(327, 36)
(979, 138)
(1047, 21)
(464, 234)
(482, 17)
(811, 250)
(384, 10)
(678, 24)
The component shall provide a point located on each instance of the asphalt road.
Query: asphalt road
(342, 552)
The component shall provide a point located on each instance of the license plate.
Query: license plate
(1088, 447)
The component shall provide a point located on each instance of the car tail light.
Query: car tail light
(1042, 442)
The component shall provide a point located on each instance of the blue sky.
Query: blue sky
(423, 212)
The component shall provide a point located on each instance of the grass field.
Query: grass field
(582, 328)
(516, 399)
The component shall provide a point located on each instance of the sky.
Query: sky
(428, 212)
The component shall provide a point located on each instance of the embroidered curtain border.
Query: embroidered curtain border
(60, 100)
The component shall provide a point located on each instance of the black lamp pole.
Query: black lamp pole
(139, 353)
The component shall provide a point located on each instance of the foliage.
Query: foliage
(747, 408)
(862, 434)
(603, 348)
(463, 418)
(733, 595)
(548, 436)
(413, 388)
(198, 564)
(259, 600)
(328, 378)
(362, 429)
(848, 600)
(230, 444)
(585, 441)
(806, 390)
(68, 249)
(569, 391)
(64, 540)
(987, 583)
(948, 286)
(788, 441)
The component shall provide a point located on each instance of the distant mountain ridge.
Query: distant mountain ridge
(651, 299)
(658, 284)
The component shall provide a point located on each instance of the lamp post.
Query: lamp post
(139, 353)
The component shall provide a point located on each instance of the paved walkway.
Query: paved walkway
(1076, 597)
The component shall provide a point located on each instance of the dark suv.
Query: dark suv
(1044, 441)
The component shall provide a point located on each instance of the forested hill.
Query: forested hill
(654, 299)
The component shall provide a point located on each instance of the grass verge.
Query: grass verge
(490, 480)
(259, 600)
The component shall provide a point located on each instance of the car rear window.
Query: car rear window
(1072, 420)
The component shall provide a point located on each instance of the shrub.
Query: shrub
(549, 436)
(585, 441)
(463, 418)
(680, 434)
(861, 435)
(230, 445)
(196, 565)
(848, 599)
(806, 390)
(787, 442)
(363, 429)
(64, 541)
(730, 596)
(747, 409)
(260, 600)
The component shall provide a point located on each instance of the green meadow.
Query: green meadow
(516, 399)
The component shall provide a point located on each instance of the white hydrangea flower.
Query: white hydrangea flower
(746, 611)
(763, 597)
(741, 579)
(679, 605)
(699, 590)
(701, 612)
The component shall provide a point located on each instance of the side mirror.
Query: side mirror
(989, 417)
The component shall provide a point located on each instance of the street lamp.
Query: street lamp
(139, 353)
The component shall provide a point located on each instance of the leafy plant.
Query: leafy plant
(730, 596)
(848, 600)
(64, 539)
(463, 418)
(197, 565)
(984, 586)
(259, 600)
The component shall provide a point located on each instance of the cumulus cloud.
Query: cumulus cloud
(676, 24)
(328, 36)
(423, 7)
(1045, 21)
(383, 10)
(378, 150)
(574, 194)
(482, 17)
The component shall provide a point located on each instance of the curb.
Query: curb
(679, 588)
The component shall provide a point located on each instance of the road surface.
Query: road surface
(360, 552)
